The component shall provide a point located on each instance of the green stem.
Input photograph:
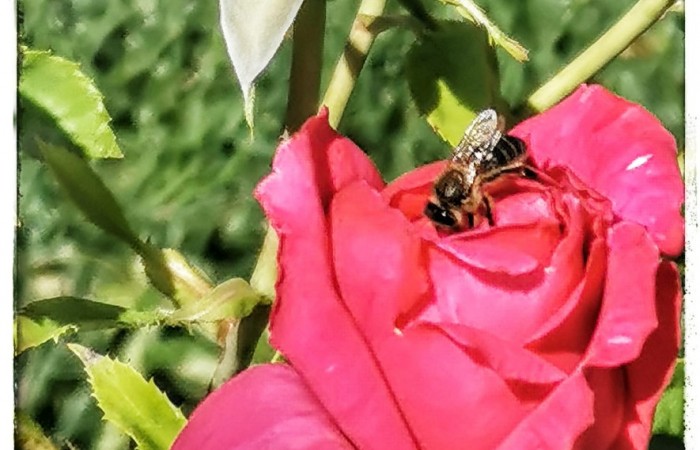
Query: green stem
(307, 58)
(635, 22)
(351, 61)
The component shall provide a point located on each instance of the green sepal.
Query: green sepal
(232, 299)
(60, 89)
(170, 273)
(136, 406)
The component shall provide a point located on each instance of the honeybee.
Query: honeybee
(484, 154)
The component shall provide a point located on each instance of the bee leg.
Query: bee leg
(528, 172)
(470, 220)
(487, 206)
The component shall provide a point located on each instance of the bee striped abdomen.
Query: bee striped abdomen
(507, 150)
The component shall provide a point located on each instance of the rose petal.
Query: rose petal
(513, 250)
(319, 162)
(619, 149)
(377, 260)
(261, 408)
(557, 421)
(651, 372)
(450, 400)
(486, 299)
(510, 362)
(421, 179)
(627, 316)
(563, 338)
(609, 409)
(309, 323)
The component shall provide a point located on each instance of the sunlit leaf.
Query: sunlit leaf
(253, 31)
(64, 92)
(136, 406)
(452, 74)
(30, 332)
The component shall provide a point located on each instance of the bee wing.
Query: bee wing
(481, 136)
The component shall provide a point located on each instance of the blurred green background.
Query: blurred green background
(191, 163)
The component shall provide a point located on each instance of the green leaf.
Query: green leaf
(73, 310)
(253, 31)
(30, 436)
(232, 299)
(73, 313)
(59, 88)
(668, 418)
(30, 333)
(452, 75)
(136, 406)
(88, 192)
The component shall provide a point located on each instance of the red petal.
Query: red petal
(563, 338)
(450, 399)
(513, 250)
(556, 422)
(310, 324)
(261, 408)
(510, 362)
(409, 193)
(609, 409)
(377, 260)
(628, 315)
(620, 150)
(484, 298)
(313, 164)
(650, 373)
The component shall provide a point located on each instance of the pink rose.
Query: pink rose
(556, 328)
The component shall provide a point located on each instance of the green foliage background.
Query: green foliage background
(191, 163)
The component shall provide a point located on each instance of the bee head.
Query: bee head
(440, 215)
(450, 189)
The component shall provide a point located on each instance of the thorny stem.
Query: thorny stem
(630, 26)
(351, 61)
